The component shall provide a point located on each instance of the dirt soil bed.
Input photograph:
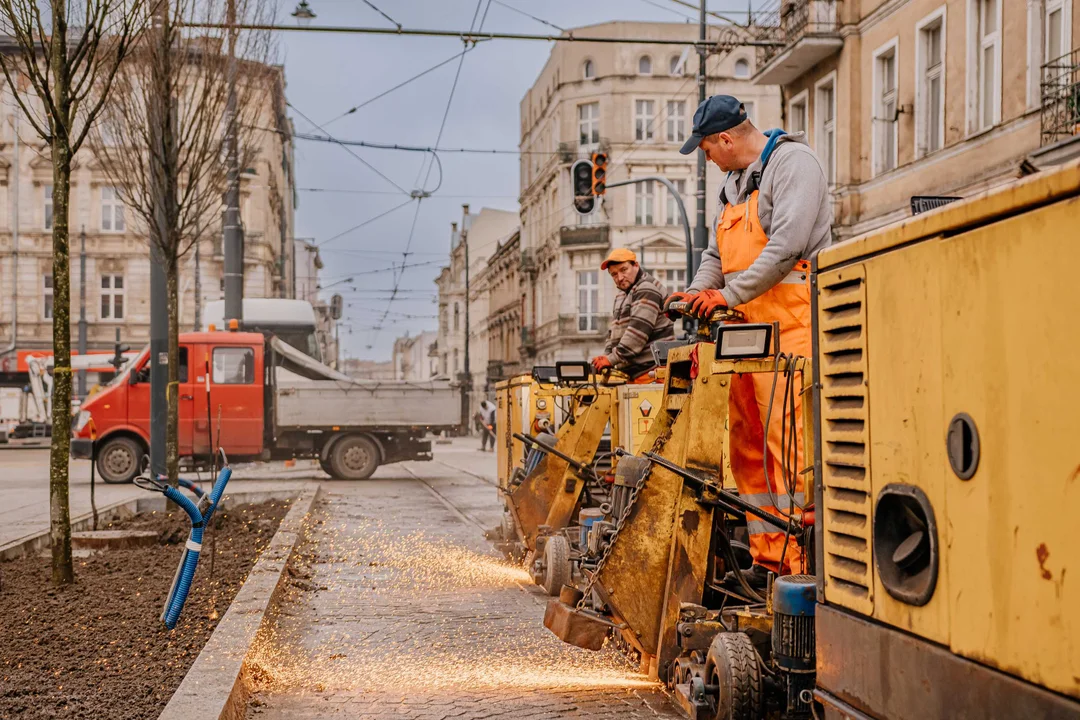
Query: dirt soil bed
(97, 649)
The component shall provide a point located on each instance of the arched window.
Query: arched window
(457, 319)
(589, 70)
(742, 68)
(644, 65)
(673, 65)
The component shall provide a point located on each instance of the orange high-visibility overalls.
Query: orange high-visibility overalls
(740, 239)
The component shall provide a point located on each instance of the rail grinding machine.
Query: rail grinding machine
(565, 470)
(655, 568)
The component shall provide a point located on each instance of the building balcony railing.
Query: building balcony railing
(584, 235)
(806, 32)
(1060, 116)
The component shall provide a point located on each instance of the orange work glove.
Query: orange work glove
(706, 302)
(600, 362)
(676, 297)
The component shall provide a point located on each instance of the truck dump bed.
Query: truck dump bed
(307, 394)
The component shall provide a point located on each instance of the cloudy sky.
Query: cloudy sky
(328, 74)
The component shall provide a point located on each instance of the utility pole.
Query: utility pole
(82, 310)
(198, 287)
(233, 238)
(466, 400)
(159, 292)
(701, 233)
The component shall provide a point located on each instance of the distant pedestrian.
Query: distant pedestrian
(486, 419)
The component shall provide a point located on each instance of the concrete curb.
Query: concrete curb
(39, 542)
(218, 684)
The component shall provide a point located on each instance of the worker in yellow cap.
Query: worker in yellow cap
(637, 320)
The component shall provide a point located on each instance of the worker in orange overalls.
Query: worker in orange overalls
(774, 216)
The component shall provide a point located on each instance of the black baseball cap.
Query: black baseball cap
(716, 114)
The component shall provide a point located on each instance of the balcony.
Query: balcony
(528, 342)
(808, 32)
(1060, 116)
(584, 235)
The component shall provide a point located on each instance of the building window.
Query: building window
(589, 70)
(930, 81)
(644, 197)
(676, 121)
(742, 68)
(48, 207)
(644, 112)
(589, 125)
(749, 108)
(797, 112)
(644, 65)
(455, 362)
(457, 317)
(885, 115)
(674, 279)
(825, 124)
(984, 64)
(673, 216)
(47, 297)
(1056, 31)
(675, 65)
(588, 304)
(112, 297)
(112, 210)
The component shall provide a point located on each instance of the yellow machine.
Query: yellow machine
(950, 477)
(654, 570)
(554, 461)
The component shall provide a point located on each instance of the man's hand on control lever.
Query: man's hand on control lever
(601, 363)
(706, 303)
(676, 297)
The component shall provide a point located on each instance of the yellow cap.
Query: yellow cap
(618, 255)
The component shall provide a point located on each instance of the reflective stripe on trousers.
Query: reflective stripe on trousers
(783, 501)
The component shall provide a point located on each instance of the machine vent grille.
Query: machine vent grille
(845, 439)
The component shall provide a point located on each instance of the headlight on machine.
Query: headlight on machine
(734, 342)
(81, 419)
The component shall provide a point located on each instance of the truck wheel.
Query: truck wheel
(325, 465)
(354, 458)
(556, 564)
(118, 460)
(732, 667)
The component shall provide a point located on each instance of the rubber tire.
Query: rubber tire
(732, 664)
(354, 457)
(556, 564)
(126, 472)
(325, 465)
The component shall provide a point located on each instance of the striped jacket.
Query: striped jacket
(636, 323)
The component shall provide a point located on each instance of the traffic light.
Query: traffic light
(118, 352)
(599, 173)
(581, 174)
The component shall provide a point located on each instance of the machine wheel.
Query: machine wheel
(118, 459)
(556, 564)
(325, 465)
(732, 666)
(354, 458)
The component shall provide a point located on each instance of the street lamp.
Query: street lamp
(303, 14)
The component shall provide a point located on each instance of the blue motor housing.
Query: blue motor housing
(794, 603)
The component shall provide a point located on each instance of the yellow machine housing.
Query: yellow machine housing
(945, 350)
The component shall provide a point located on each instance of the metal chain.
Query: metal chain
(587, 592)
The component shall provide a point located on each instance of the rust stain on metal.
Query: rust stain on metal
(690, 521)
(1042, 553)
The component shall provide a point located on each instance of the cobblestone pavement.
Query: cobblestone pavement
(399, 608)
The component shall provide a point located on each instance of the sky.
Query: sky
(327, 74)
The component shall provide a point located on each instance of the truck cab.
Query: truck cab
(226, 409)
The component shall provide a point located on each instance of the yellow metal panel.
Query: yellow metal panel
(639, 405)
(1037, 190)
(842, 334)
(906, 432)
(1011, 361)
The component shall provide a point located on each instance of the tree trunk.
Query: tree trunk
(172, 444)
(63, 572)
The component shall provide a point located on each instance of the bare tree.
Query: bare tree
(163, 138)
(61, 72)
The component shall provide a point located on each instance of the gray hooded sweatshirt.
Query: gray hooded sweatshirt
(795, 213)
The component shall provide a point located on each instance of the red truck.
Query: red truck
(264, 400)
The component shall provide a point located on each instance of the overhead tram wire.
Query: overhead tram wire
(400, 85)
(392, 20)
(438, 139)
(532, 17)
(366, 222)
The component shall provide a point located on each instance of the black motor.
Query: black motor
(794, 600)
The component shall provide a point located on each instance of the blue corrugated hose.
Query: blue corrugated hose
(189, 561)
